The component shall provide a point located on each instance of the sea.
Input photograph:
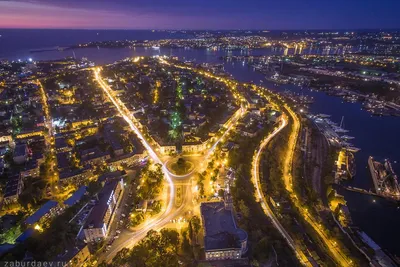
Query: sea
(376, 136)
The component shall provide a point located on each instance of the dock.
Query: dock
(384, 179)
(361, 191)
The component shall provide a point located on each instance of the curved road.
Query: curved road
(170, 212)
(264, 204)
(331, 244)
(129, 239)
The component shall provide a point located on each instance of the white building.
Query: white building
(101, 217)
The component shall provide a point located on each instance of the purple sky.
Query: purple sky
(200, 14)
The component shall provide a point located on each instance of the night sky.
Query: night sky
(200, 14)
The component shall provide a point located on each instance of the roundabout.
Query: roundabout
(180, 166)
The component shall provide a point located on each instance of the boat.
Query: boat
(323, 115)
(346, 137)
(353, 149)
(340, 130)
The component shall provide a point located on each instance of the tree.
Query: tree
(185, 246)
(221, 193)
(94, 187)
(196, 224)
(156, 249)
(181, 163)
(10, 235)
(121, 258)
(244, 209)
(262, 249)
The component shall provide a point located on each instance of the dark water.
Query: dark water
(16, 44)
(376, 136)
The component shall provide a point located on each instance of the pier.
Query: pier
(384, 179)
(361, 191)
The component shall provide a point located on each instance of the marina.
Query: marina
(332, 132)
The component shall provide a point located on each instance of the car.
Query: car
(118, 231)
(116, 237)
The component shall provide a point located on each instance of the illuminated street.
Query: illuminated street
(199, 133)
(261, 198)
(287, 178)
(129, 239)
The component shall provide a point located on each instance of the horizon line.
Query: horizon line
(158, 29)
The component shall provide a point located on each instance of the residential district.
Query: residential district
(154, 161)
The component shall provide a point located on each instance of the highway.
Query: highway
(264, 204)
(332, 245)
(287, 171)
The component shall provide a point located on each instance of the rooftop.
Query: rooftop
(92, 153)
(61, 143)
(76, 196)
(220, 227)
(20, 150)
(95, 218)
(34, 218)
(12, 186)
(25, 235)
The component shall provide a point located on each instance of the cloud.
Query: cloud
(198, 14)
(39, 14)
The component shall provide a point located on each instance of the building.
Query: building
(194, 148)
(222, 239)
(110, 135)
(109, 176)
(77, 176)
(25, 235)
(2, 165)
(44, 212)
(31, 169)
(13, 189)
(166, 150)
(62, 145)
(126, 159)
(94, 156)
(75, 256)
(21, 153)
(101, 217)
(76, 196)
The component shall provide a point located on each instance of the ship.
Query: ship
(384, 179)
